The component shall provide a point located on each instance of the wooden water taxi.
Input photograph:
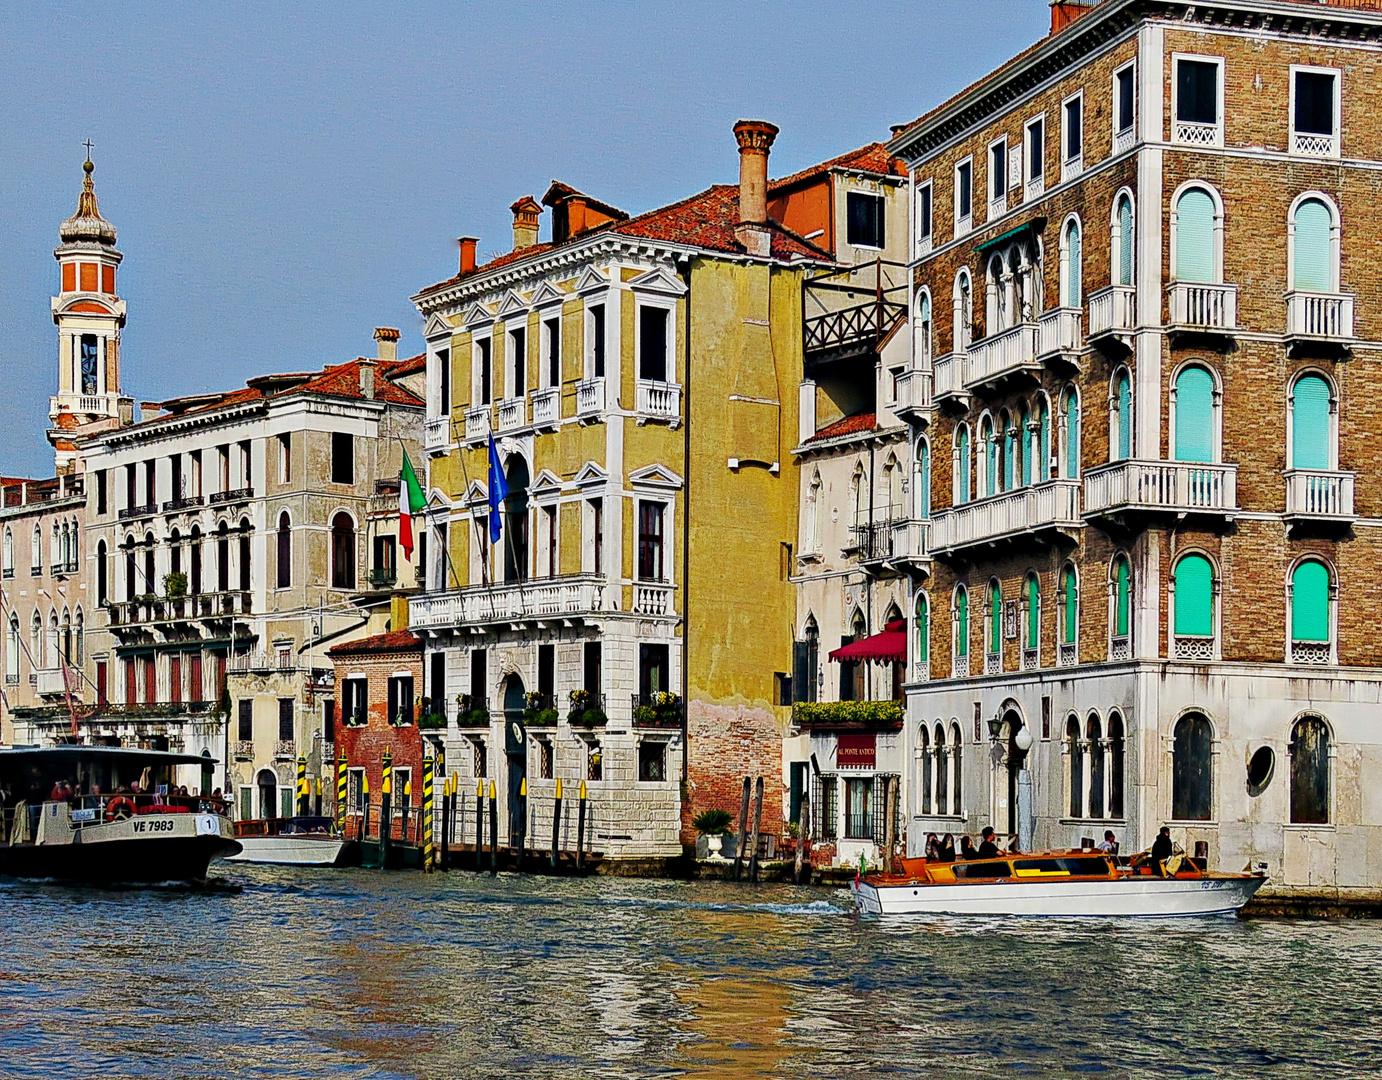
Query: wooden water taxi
(1054, 883)
(295, 841)
(125, 829)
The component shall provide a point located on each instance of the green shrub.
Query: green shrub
(848, 712)
(712, 822)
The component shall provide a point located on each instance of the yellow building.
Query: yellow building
(640, 379)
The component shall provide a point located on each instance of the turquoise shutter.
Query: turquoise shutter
(1194, 415)
(962, 645)
(1124, 403)
(995, 621)
(1072, 606)
(1072, 435)
(923, 634)
(1121, 598)
(1310, 426)
(1024, 442)
(1195, 236)
(924, 509)
(1310, 602)
(1194, 596)
(1044, 436)
(1033, 612)
(990, 451)
(1125, 241)
(1312, 257)
(1073, 266)
(1009, 457)
(964, 465)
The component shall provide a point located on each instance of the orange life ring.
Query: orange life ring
(117, 804)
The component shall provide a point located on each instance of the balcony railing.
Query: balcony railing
(590, 398)
(659, 399)
(889, 539)
(244, 749)
(383, 577)
(1000, 356)
(436, 434)
(50, 682)
(951, 375)
(1204, 307)
(575, 594)
(285, 750)
(1054, 504)
(513, 413)
(1177, 486)
(547, 406)
(188, 502)
(1196, 647)
(1124, 140)
(155, 609)
(1068, 653)
(478, 423)
(240, 494)
(1311, 652)
(1194, 133)
(1060, 334)
(1315, 144)
(1112, 311)
(1319, 493)
(913, 394)
(652, 599)
(849, 311)
(147, 510)
(1327, 316)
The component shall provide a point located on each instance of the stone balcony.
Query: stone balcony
(950, 377)
(590, 399)
(538, 599)
(1113, 312)
(888, 547)
(658, 400)
(547, 407)
(1050, 507)
(49, 682)
(1178, 487)
(1003, 357)
(436, 434)
(1202, 308)
(1060, 337)
(479, 423)
(1324, 495)
(913, 396)
(513, 413)
(165, 609)
(1314, 318)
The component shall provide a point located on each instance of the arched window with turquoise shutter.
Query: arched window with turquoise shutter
(1195, 236)
(1072, 434)
(1074, 265)
(1313, 262)
(923, 500)
(962, 621)
(1009, 453)
(995, 618)
(1033, 611)
(1070, 605)
(1044, 442)
(990, 451)
(1194, 578)
(1310, 602)
(1122, 596)
(1311, 429)
(1194, 415)
(923, 636)
(1024, 447)
(965, 465)
(1124, 241)
(1122, 403)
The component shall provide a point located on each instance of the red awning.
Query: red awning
(889, 646)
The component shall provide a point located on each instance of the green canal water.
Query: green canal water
(354, 973)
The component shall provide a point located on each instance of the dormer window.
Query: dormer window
(864, 214)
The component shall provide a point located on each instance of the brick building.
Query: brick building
(1142, 263)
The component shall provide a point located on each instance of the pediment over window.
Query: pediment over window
(655, 476)
(437, 500)
(436, 327)
(659, 280)
(477, 315)
(512, 304)
(590, 475)
(591, 280)
(545, 483)
(476, 494)
(547, 293)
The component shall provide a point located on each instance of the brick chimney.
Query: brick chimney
(367, 367)
(1064, 12)
(525, 214)
(387, 339)
(755, 140)
(467, 246)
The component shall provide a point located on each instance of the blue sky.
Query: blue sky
(284, 176)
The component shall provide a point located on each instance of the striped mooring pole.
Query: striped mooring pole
(428, 853)
(302, 785)
(342, 776)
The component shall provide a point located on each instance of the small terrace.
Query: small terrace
(848, 312)
(1177, 487)
(1051, 507)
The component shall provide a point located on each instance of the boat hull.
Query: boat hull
(291, 850)
(139, 861)
(1139, 897)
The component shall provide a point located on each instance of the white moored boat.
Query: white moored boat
(1053, 883)
(298, 841)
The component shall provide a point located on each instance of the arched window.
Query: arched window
(1120, 417)
(927, 764)
(80, 656)
(942, 769)
(1312, 241)
(65, 639)
(963, 465)
(1072, 266)
(1095, 732)
(963, 299)
(223, 558)
(150, 577)
(921, 338)
(1194, 236)
(12, 651)
(1193, 582)
(1310, 772)
(812, 537)
(1069, 614)
(1022, 447)
(36, 641)
(52, 645)
(194, 559)
(957, 750)
(1117, 758)
(1191, 768)
(1122, 241)
(1310, 613)
(988, 450)
(1071, 408)
(892, 484)
(1195, 415)
(1041, 412)
(244, 555)
(1031, 622)
(342, 551)
(1313, 428)
(921, 638)
(1009, 434)
(994, 650)
(997, 310)
(1121, 615)
(858, 492)
(960, 642)
(38, 550)
(102, 573)
(285, 551)
(131, 570)
(921, 499)
(1074, 749)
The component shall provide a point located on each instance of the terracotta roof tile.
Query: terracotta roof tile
(857, 424)
(411, 366)
(393, 641)
(873, 158)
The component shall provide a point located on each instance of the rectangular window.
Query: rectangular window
(964, 196)
(547, 670)
(481, 762)
(1124, 96)
(355, 702)
(478, 664)
(998, 175)
(402, 788)
(385, 560)
(1315, 112)
(175, 488)
(590, 670)
(924, 211)
(436, 682)
(285, 458)
(652, 343)
(544, 758)
(196, 459)
(150, 679)
(285, 719)
(101, 491)
(596, 347)
(549, 529)
(150, 483)
(284, 562)
(484, 391)
(245, 720)
(650, 515)
(196, 686)
(518, 362)
(444, 382)
(400, 700)
(597, 535)
(246, 476)
(551, 329)
(859, 809)
(1196, 96)
(829, 812)
(864, 219)
(223, 467)
(652, 761)
(1073, 116)
(355, 792)
(174, 678)
(329, 720)
(342, 457)
(654, 670)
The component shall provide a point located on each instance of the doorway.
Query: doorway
(516, 748)
(268, 793)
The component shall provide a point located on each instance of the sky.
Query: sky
(284, 176)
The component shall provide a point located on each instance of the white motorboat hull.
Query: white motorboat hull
(1146, 897)
(291, 850)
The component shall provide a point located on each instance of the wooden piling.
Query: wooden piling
(480, 825)
(493, 829)
(429, 780)
(342, 788)
(803, 831)
(385, 820)
(743, 830)
(556, 823)
(580, 830)
(444, 854)
(757, 824)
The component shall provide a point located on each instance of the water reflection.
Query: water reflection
(354, 973)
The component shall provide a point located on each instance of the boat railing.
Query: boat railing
(97, 809)
(302, 825)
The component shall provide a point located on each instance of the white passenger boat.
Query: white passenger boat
(297, 841)
(1054, 883)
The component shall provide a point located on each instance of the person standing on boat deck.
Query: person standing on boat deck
(947, 848)
(1162, 849)
(1110, 844)
(988, 849)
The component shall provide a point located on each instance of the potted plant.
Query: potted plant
(470, 712)
(175, 584)
(584, 712)
(712, 824)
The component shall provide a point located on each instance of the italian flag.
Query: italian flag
(410, 502)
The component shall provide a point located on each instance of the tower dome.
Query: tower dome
(87, 223)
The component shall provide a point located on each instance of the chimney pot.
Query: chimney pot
(387, 339)
(755, 139)
(467, 246)
(1064, 12)
(525, 215)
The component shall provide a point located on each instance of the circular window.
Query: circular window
(1260, 769)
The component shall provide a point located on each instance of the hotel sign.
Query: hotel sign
(856, 751)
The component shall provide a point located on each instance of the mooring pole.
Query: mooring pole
(556, 823)
(385, 819)
(493, 829)
(743, 830)
(522, 844)
(342, 786)
(757, 824)
(580, 830)
(429, 779)
(443, 856)
(803, 831)
(480, 825)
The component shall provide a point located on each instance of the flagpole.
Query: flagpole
(484, 560)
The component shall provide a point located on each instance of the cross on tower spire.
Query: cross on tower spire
(88, 144)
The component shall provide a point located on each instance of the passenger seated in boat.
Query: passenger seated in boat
(947, 848)
(933, 852)
(967, 848)
(988, 849)
(1162, 849)
(1110, 844)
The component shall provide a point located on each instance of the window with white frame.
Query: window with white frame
(1031, 622)
(652, 517)
(482, 367)
(1197, 235)
(1120, 607)
(864, 220)
(962, 300)
(964, 197)
(921, 331)
(1124, 107)
(924, 217)
(964, 466)
(548, 536)
(441, 361)
(1312, 240)
(518, 361)
(1315, 109)
(1034, 138)
(1194, 603)
(1312, 434)
(959, 642)
(1311, 611)
(654, 343)
(551, 351)
(1072, 136)
(1069, 616)
(998, 178)
(1197, 100)
(1071, 264)
(595, 343)
(1122, 241)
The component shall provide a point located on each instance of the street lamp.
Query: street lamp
(1023, 739)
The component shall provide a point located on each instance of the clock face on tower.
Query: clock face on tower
(88, 363)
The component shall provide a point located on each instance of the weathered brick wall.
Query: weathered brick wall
(728, 743)
(366, 746)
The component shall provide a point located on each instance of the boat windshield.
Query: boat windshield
(1062, 867)
(971, 871)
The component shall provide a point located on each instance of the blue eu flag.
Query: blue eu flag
(498, 491)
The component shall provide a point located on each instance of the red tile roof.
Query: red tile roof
(857, 424)
(872, 158)
(391, 642)
(411, 366)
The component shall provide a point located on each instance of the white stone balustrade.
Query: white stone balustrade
(1161, 485)
(1054, 504)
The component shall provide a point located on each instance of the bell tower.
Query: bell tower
(89, 317)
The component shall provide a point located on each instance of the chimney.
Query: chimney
(1064, 12)
(755, 140)
(367, 367)
(467, 246)
(387, 339)
(398, 611)
(525, 215)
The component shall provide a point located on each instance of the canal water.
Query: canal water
(355, 973)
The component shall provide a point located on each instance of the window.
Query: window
(1196, 236)
(960, 646)
(963, 465)
(859, 808)
(101, 497)
(1122, 241)
(1069, 613)
(1312, 423)
(1071, 409)
(385, 565)
(864, 219)
(921, 332)
(518, 362)
(285, 719)
(342, 551)
(285, 458)
(1314, 259)
(354, 701)
(1120, 441)
(597, 535)
(223, 468)
(479, 665)
(1195, 97)
(1035, 138)
(357, 801)
(1121, 620)
(342, 457)
(998, 178)
(150, 483)
(594, 762)
(825, 822)
(650, 521)
(484, 371)
(548, 518)
(1075, 784)
(1124, 98)
(1072, 116)
(652, 343)
(1031, 623)
(591, 662)
(1315, 112)
(551, 344)
(921, 638)
(1193, 582)
(90, 363)
(1310, 612)
(595, 338)
(652, 761)
(1191, 768)
(12, 652)
(1310, 772)
(811, 523)
(924, 217)
(195, 457)
(921, 492)
(244, 556)
(1097, 773)
(285, 552)
(245, 720)
(444, 382)
(962, 303)
(988, 456)
(1194, 406)
(995, 629)
(400, 700)
(1072, 265)
(964, 196)
(1039, 432)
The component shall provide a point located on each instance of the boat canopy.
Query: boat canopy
(123, 755)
